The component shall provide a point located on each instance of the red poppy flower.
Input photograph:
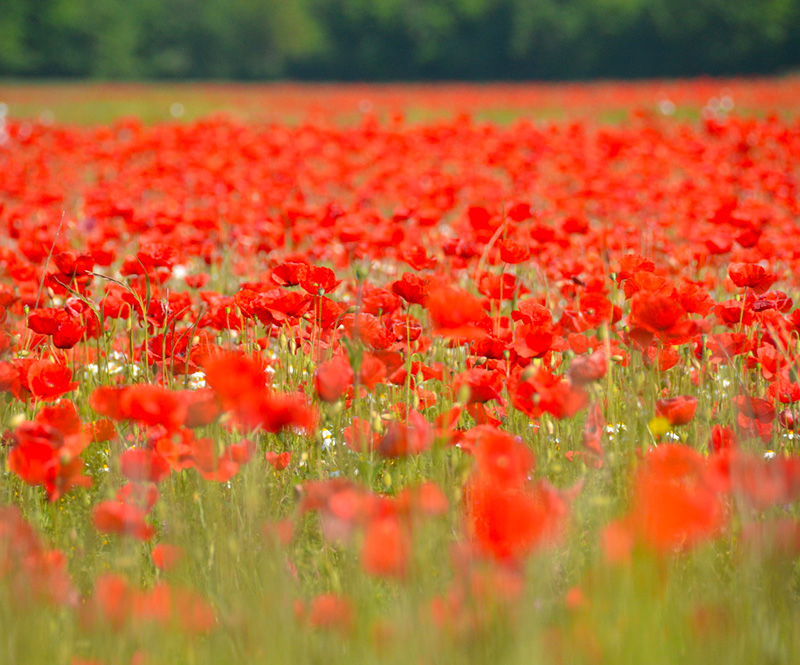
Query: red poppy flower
(764, 483)
(62, 416)
(481, 385)
(427, 499)
(46, 320)
(279, 461)
(722, 439)
(210, 463)
(751, 276)
(500, 458)
(72, 265)
(678, 410)
(675, 505)
(379, 302)
(101, 430)
(411, 288)
(409, 438)
(595, 309)
(152, 405)
(240, 383)
(318, 280)
(417, 257)
(513, 252)
(202, 407)
(532, 313)
(123, 519)
(369, 329)
(141, 464)
(157, 255)
(166, 557)
(500, 287)
(585, 369)
(509, 522)
(734, 313)
(360, 436)
(456, 313)
(543, 392)
(278, 306)
(289, 273)
(9, 375)
(656, 313)
(106, 401)
(533, 341)
(145, 496)
(630, 264)
(694, 299)
(755, 408)
(50, 380)
(331, 612)
(386, 549)
(240, 453)
(41, 454)
(35, 457)
(68, 334)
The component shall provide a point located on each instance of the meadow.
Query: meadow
(356, 374)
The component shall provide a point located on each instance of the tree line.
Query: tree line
(396, 39)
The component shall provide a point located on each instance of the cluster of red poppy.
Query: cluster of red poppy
(198, 290)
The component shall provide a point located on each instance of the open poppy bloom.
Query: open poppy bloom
(333, 378)
(676, 504)
(659, 315)
(278, 461)
(50, 380)
(122, 518)
(148, 404)
(46, 451)
(678, 410)
(241, 385)
(506, 515)
(456, 313)
(386, 549)
(751, 276)
(543, 392)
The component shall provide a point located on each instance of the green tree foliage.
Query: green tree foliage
(13, 51)
(396, 39)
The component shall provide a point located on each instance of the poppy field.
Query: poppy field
(374, 389)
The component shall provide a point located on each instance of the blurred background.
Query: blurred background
(385, 40)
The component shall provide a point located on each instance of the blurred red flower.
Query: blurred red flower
(678, 410)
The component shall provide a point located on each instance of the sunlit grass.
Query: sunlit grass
(92, 103)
